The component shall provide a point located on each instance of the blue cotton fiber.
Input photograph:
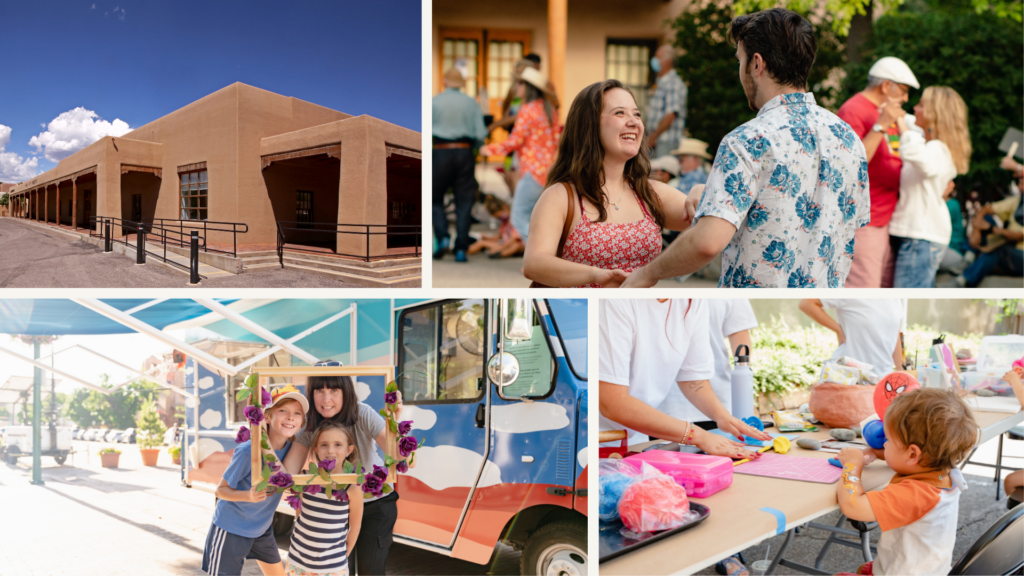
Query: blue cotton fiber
(612, 488)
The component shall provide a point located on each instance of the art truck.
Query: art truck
(498, 389)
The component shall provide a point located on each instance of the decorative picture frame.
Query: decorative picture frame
(387, 372)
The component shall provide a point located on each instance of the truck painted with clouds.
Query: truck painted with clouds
(501, 462)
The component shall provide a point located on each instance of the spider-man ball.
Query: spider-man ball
(891, 386)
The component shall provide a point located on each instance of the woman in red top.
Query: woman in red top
(535, 136)
(617, 212)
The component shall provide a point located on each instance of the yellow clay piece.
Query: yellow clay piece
(781, 445)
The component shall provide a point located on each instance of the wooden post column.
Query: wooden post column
(57, 215)
(74, 203)
(558, 11)
(46, 204)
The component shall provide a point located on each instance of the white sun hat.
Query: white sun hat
(892, 68)
(668, 164)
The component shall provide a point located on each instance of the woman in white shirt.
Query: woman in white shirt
(647, 347)
(921, 223)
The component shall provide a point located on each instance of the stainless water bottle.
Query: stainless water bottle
(742, 384)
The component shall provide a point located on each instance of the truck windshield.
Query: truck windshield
(570, 317)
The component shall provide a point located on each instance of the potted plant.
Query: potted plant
(109, 457)
(175, 452)
(150, 433)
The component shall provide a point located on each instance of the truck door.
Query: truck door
(442, 347)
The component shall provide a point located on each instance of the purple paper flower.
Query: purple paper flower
(404, 427)
(328, 464)
(313, 489)
(390, 397)
(407, 445)
(274, 466)
(281, 480)
(380, 472)
(253, 414)
(294, 501)
(402, 467)
(340, 495)
(267, 398)
(242, 436)
(373, 485)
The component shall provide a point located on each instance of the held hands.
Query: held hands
(721, 446)
(890, 111)
(639, 279)
(605, 279)
(692, 201)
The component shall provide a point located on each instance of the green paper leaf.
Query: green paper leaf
(391, 387)
(270, 458)
(264, 443)
(392, 425)
(367, 495)
(266, 472)
(347, 467)
(313, 469)
(422, 440)
(388, 461)
(325, 474)
(242, 394)
(327, 491)
(361, 479)
(412, 458)
(262, 485)
(251, 380)
(382, 413)
(387, 488)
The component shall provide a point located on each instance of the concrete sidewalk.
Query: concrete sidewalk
(32, 258)
(136, 520)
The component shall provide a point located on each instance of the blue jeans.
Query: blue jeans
(1006, 259)
(528, 191)
(917, 261)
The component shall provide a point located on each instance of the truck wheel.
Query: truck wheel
(557, 549)
(60, 459)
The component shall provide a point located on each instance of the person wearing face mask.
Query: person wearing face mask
(787, 189)
(666, 108)
(602, 214)
(872, 114)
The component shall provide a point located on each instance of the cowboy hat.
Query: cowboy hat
(693, 147)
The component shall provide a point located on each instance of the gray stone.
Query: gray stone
(843, 435)
(856, 430)
(984, 392)
(808, 443)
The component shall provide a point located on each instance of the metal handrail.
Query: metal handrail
(307, 227)
(135, 227)
(235, 230)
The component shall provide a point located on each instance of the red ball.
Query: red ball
(891, 386)
(654, 504)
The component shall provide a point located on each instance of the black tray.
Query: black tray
(613, 544)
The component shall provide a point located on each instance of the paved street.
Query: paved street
(30, 258)
(135, 520)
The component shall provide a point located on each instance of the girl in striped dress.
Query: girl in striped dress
(327, 528)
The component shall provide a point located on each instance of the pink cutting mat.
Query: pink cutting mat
(791, 468)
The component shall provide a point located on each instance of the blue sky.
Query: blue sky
(89, 64)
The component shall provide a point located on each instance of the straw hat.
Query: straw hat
(533, 77)
(668, 164)
(693, 147)
(453, 78)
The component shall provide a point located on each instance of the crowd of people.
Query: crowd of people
(797, 197)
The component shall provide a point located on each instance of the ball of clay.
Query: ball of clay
(985, 392)
(611, 489)
(654, 504)
(857, 431)
(808, 443)
(843, 435)
(839, 406)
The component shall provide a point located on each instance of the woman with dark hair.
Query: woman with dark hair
(334, 398)
(601, 175)
(535, 137)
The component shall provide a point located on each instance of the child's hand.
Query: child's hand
(851, 456)
(257, 495)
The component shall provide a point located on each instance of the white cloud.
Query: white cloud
(523, 418)
(74, 130)
(442, 467)
(13, 167)
(210, 419)
(422, 418)
(93, 7)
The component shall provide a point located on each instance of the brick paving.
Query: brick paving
(137, 520)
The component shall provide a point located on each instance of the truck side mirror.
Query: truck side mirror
(517, 319)
(503, 369)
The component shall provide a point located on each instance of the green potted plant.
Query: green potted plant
(150, 433)
(175, 452)
(109, 457)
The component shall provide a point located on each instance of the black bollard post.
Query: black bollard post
(193, 259)
(140, 245)
(106, 237)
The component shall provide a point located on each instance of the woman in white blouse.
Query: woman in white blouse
(920, 223)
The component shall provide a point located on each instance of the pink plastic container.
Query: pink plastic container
(701, 475)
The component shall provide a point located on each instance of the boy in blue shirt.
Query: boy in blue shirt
(241, 521)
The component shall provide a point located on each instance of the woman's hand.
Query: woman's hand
(720, 445)
(739, 429)
(609, 278)
(692, 201)
(398, 405)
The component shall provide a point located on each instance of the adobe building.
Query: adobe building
(248, 156)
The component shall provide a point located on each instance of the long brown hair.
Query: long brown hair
(947, 119)
(580, 159)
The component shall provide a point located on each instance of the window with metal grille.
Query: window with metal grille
(136, 207)
(502, 56)
(304, 209)
(194, 195)
(629, 62)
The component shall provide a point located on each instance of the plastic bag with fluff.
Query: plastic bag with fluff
(616, 475)
(653, 502)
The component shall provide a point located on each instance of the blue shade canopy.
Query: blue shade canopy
(55, 317)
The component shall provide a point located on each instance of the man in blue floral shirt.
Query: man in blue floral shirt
(788, 189)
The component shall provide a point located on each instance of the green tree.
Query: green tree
(715, 97)
(841, 11)
(150, 430)
(5, 198)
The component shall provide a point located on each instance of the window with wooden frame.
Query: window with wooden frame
(489, 56)
(629, 62)
(388, 372)
(194, 195)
